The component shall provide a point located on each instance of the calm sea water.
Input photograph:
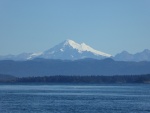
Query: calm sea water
(75, 98)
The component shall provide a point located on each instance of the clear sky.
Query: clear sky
(110, 26)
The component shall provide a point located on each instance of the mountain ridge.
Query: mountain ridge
(49, 67)
(70, 50)
(140, 56)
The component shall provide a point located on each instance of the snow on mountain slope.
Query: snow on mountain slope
(83, 47)
(71, 50)
(21, 57)
(34, 55)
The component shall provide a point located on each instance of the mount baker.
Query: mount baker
(70, 50)
(67, 50)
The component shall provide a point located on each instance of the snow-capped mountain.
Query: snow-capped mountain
(141, 56)
(71, 50)
(67, 50)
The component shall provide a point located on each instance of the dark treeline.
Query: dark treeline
(7, 78)
(87, 79)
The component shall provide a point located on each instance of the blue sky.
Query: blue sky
(110, 26)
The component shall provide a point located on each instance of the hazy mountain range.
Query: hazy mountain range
(48, 67)
(141, 56)
(71, 58)
(70, 50)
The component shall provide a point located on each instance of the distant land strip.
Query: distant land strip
(77, 79)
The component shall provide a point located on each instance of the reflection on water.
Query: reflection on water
(75, 98)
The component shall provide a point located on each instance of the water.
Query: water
(75, 98)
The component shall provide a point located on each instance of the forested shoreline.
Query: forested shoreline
(93, 79)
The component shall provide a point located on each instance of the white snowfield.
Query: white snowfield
(83, 47)
(33, 55)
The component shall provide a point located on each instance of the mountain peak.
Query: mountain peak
(124, 52)
(71, 43)
(146, 51)
(68, 41)
(84, 48)
(140, 56)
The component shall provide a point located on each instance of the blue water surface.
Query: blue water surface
(75, 98)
